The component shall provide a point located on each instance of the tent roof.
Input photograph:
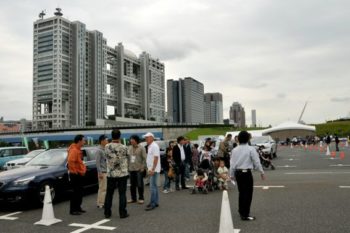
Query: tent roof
(289, 126)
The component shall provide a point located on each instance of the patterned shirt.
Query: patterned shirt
(117, 160)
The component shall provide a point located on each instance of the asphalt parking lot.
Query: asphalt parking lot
(308, 192)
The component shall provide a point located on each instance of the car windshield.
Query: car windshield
(258, 140)
(49, 158)
(33, 153)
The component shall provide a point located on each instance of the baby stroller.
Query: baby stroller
(207, 167)
(201, 182)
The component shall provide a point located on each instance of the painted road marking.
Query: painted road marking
(7, 216)
(286, 166)
(315, 173)
(340, 165)
(226, 223)
(96, 225)
(265, 187)
(291, 159)
(331, 158)
(344, 187)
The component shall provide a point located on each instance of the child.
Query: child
(200, 179)
(223, 175)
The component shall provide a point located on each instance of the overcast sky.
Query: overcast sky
(270, 55)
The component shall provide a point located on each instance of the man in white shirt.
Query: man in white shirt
(244, 159)
(153, 166)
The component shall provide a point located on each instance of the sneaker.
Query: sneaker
(100, 206)
(141, 201)
(166, 191)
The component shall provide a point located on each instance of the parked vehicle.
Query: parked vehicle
(270, 146)
(11, 153)
(16, 163)
(48, 168)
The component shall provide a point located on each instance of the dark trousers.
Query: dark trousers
(337, 146)
(136, 181)
(180, 175)
(245, 189)
(76, 197)
(112, 183)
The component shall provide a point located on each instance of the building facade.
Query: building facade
(185, 101)
(237, 114)
(77, 77)
(253, 118)
(213, 108)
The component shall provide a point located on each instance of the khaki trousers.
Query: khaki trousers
(102, 187)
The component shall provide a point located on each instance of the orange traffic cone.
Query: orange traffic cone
(342, 155)
(333, 154)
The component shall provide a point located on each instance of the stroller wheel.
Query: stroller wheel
(272, 167)
(205, 191)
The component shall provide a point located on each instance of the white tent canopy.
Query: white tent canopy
(289, 126)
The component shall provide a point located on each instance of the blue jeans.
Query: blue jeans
(154, 189)
(187, 170)
(166, 184)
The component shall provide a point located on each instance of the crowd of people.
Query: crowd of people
(116, 163)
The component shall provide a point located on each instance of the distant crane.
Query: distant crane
(42, 14)
(302, 113)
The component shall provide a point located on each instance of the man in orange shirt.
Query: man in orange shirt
(76, 171)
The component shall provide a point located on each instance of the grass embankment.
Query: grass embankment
(341, 128)
(213, 130)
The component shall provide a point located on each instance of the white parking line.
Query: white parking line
(265, 187)
(340, 165)
(96, 225)
(315, 173)
(7, 216)
(291, 159)
(344, 187)
(286, 166)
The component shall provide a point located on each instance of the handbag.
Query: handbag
(171, 173)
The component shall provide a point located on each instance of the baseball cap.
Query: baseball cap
(149, 134)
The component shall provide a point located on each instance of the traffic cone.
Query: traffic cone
(48, 217)
(328, 152)
(342, 155)
(333, 154)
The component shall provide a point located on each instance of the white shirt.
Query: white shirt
(153, 151)
(244, 157)
(182, 151)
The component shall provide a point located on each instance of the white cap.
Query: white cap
(149, 134)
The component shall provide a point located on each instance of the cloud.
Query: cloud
(281, 95)
(168, 49)
(340, 99)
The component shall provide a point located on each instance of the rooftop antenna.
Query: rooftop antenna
(302, 113)
(58, 12)
(42, 14)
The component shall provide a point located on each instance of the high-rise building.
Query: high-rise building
(213, 108)
(185, 100)
(77, 77)
(253, 118)
(237, 114)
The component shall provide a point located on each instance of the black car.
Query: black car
(48, 168)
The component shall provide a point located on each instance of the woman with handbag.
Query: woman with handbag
(167, 166)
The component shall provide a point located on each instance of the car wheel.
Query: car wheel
(41, 192)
